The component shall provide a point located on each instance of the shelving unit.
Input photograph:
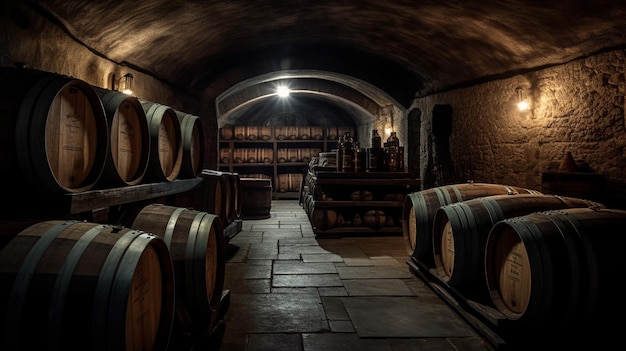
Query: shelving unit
(356, 202)
(280, 156)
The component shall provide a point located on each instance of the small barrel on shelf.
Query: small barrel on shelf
(292, 133)
(265, 133)
(322, 218)
(227, 132)
(226, 155)
(240, 132)
(281, 132)
(317, 133)
(281, 155)
(304, 132)
(252, 132)
(331, 133)
(266, 155)
(252, 155)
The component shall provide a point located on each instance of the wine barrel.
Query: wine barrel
(241, 132)
(227, 132)
(237, 194)
(265, 132)
(197, 245)
(229, 194)
(129, 142)
(322, 219)
(208, 196)
(70, 285)
(460, 231)
(193, 145)
(256, 198)
(558, 266)
(54, 132)
(166, 151)
(419, 211)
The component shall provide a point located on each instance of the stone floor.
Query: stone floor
(293, 291)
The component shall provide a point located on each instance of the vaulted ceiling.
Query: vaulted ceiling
(350, 52)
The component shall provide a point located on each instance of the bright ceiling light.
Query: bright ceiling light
(283, 91)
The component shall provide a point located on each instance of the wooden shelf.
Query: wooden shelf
(352, 203)
(95, 199)
(384, 191)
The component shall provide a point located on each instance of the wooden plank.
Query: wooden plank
(94, 199)
(351, 203)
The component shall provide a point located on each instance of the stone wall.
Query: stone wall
(577, 107)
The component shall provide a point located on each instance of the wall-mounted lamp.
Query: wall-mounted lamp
(523, 102)
(125, 84)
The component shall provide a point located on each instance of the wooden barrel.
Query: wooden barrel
(197, 245)
(241, 132)
(252, 132)
(322, 218)
(236, 194)
(70, 285)
(460, 231)
(166, 151)
(331, 133)
(193, 145)
(281, 132)
(229, 195)
(558, 266)
(129, 144)
(265, 132)
(375, 219)
(304, 132)
(227, 132)
(292, 133)
(54, 132)
(316, 133)
(256, 198)
(419, 211)
(209, 196)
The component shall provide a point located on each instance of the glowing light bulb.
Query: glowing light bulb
(523, 105)
(283, 91)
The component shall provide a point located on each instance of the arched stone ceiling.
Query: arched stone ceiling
(404, 48)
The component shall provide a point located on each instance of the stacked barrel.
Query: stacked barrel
(537, 259)
(74, 284)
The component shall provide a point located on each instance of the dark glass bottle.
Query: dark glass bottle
(376, 139)
(347, 147)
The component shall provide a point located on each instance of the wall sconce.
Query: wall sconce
(125, 84)
(523, 102)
